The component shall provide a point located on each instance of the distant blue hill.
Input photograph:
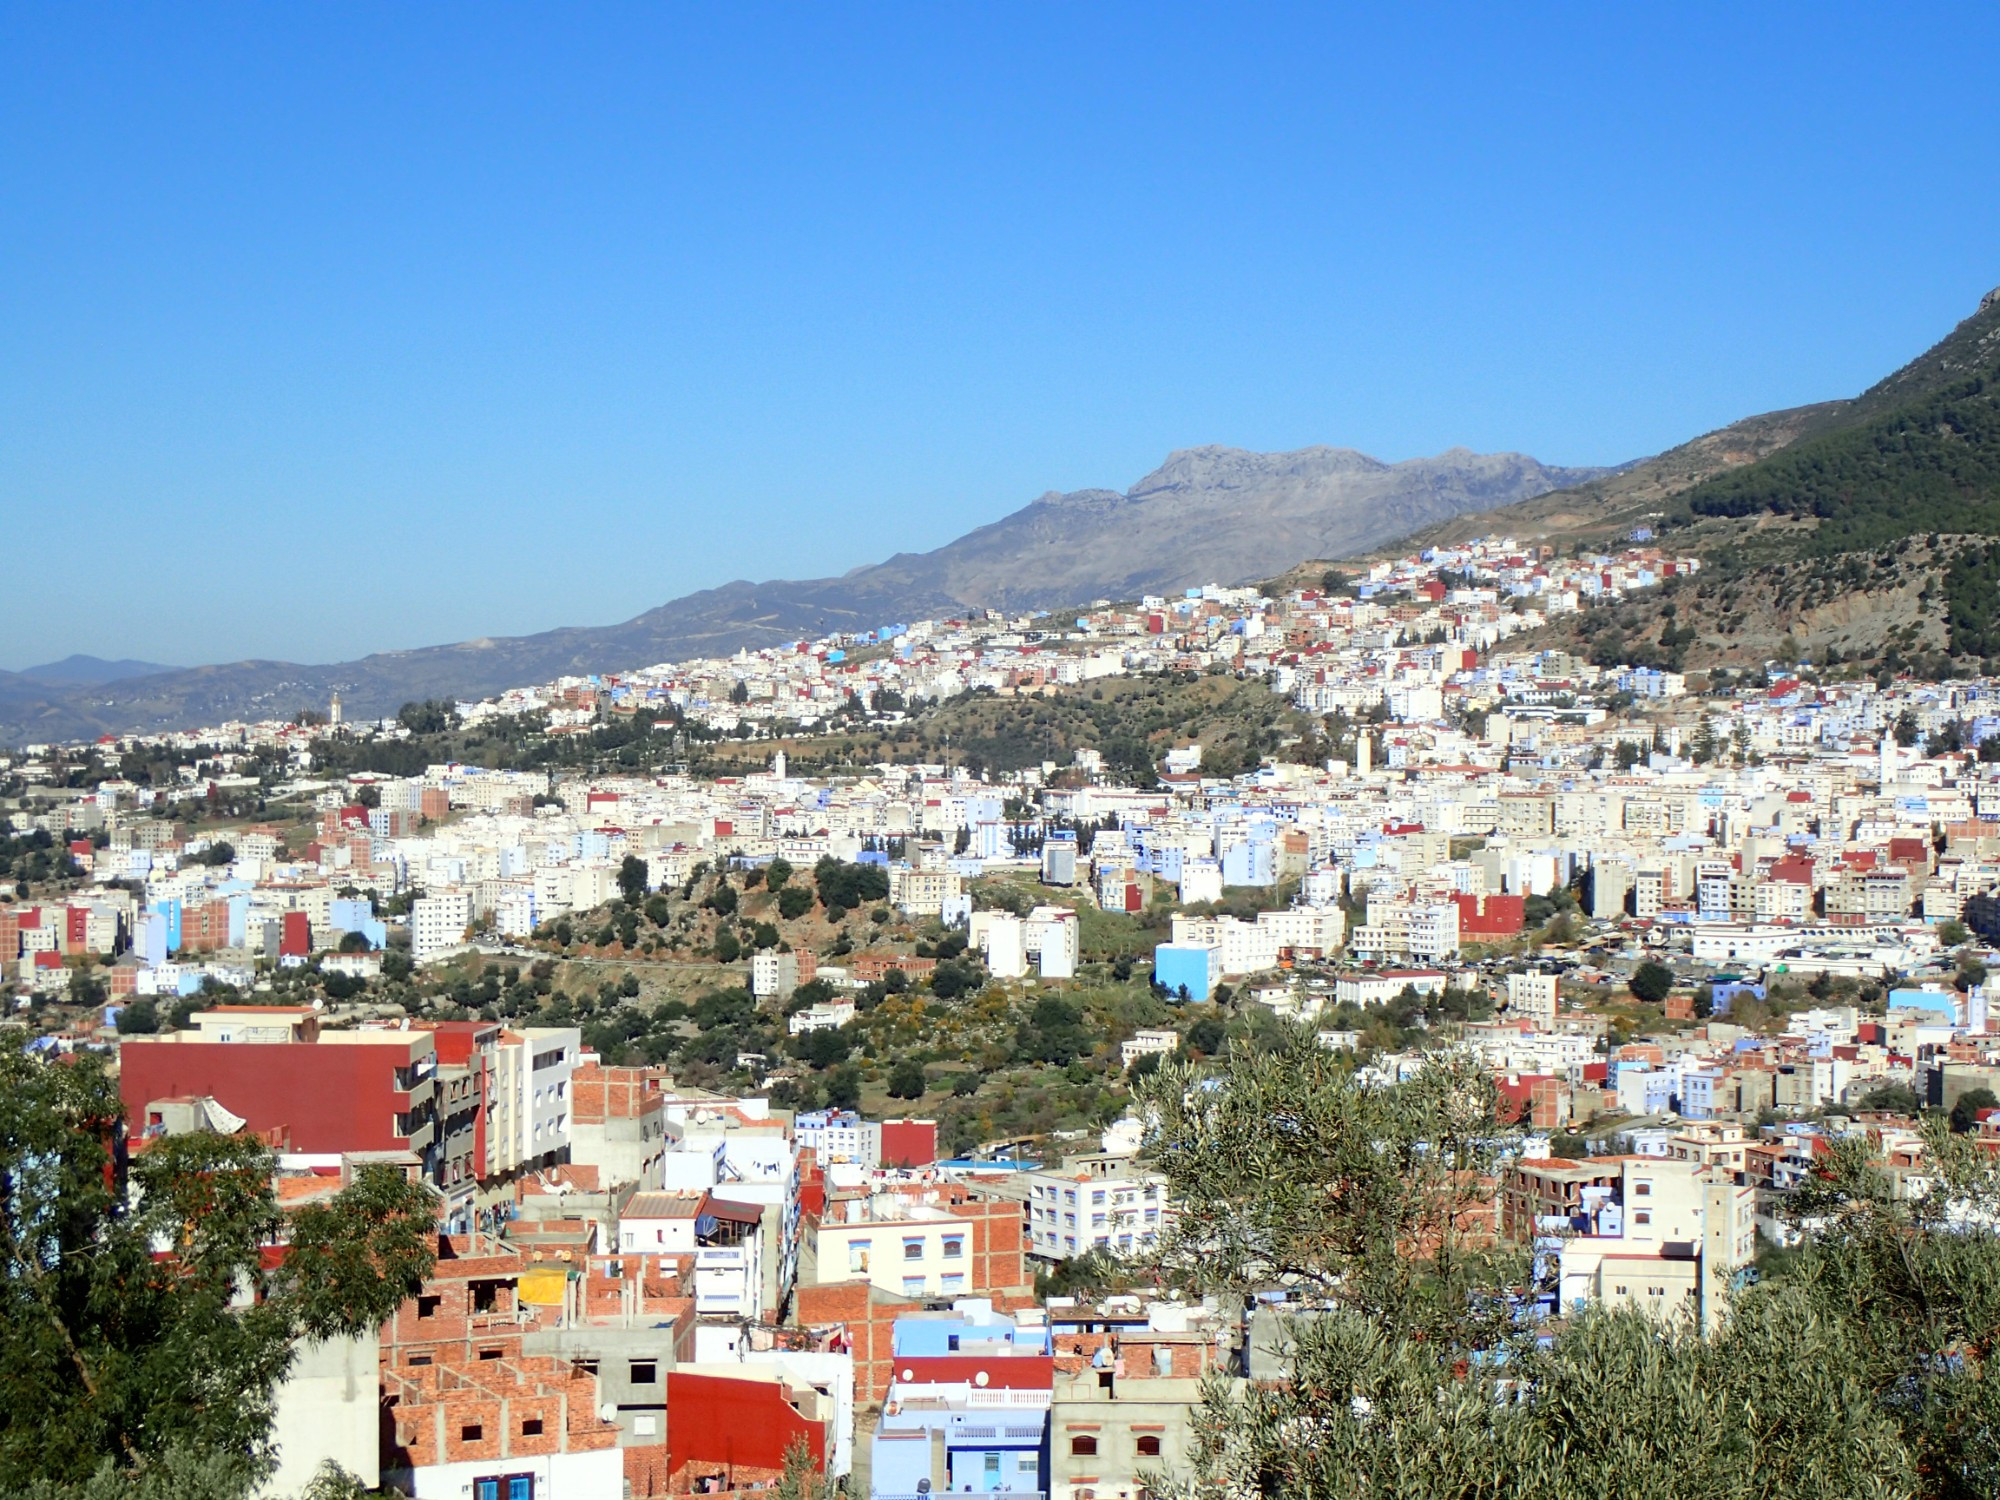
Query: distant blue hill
(89, 671)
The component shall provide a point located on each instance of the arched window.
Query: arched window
(1149, 1445)
(1083, 1446)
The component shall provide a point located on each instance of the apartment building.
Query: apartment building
(1103, 1201)
(438, 923)
(933, 1243)
(322, 1092)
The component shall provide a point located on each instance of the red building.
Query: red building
(909, 1143)
(1481, 918)
(295, 935)
(205, 927)
(736, 1429)
(344, 1091)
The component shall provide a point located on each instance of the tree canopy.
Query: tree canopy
(110, 1353)
(1858, 1368)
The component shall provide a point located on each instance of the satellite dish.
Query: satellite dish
(319, 1002)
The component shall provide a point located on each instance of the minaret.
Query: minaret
(1364, 753)
(1888, 768)
(778, 765)
(333, 710)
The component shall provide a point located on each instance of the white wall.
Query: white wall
(327, 1409)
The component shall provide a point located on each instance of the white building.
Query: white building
(1532, 997)
(438, 923)
(1002, 939)
(529, 1111)
(1053, 938)
(1101, 1202)
(1147, 1044)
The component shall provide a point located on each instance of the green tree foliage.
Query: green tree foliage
(1892, 1098)
(111, 1355)
(1053, 1033)
(139, 1017)
(778, 872)
(432, 716)
(824, 1046)
(843, 1087)
(845, 887)
(1965, 1113)
(632, 879)
(1931, 464)
(1859, 1367)
(955, 977)
(906, 1080)
(1651, 982)
(801, 1478)
(794, 901)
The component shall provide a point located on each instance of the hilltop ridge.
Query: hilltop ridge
(1204, 513)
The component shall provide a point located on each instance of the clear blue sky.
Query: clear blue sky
(328, 329)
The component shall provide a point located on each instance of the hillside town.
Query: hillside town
(1696, 928)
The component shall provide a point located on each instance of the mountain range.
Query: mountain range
(1853, 530)
(1206, 514)
(83, 670)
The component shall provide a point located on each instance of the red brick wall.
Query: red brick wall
(599, 1093)
(997, 1251)
(869, 1317)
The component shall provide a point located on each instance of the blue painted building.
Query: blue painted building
(964, 1424)
(970, 1327)
(1187, 966)
(1252, 862)
(169, 912)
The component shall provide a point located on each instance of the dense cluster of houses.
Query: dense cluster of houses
(654, 1290)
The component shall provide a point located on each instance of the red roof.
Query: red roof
(1014, 1372)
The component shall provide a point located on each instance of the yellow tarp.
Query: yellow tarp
(543, 1286)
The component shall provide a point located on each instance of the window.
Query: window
(427, 1307)
(913, 1286)
(954, 1248)
(645, 1372)
(953, 1283)
(1642, 1216)
(992, 1467)
(531, 1427)
(504, 1487)
(471, 1432)
(1083, 1445)
(419, 1359)
(857, 1255)
(913, 1249)
(1642, 1190)
(489, 1353)
(1149, 1445)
